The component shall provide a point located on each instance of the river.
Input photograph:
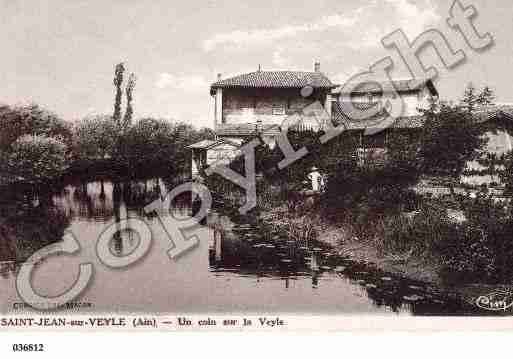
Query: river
(233, 269)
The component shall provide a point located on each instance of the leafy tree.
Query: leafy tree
(122, 125)
(118, 82)
(507, 174)
(94, 138)
(489, 161)
(470, 98)
(402, 157)
(127, 119)
(4, 160)
(486, 97)
(152, 143)
(450, 139)
(30, 120)
(37, 159)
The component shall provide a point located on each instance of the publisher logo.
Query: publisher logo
(495, 301)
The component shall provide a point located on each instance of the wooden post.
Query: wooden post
(218, 109)
(217, 245)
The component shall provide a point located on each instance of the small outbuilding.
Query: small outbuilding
(207, 152)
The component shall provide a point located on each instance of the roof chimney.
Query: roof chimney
(317, 66)
(219, 76)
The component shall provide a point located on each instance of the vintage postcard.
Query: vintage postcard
(241, 165)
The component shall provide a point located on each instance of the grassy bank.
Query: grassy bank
(466, 254)
(348, 241)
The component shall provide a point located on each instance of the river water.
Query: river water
(233, 269)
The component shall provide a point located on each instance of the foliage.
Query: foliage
(478, 249)
(118, 81)
(37, 159)
(423, 235)
(372, 186)
(507, 174)
(94, 138)
(470, 99)
(150, 142)
(4, 160)
(159, 144)
(486, 97)
(17, 121)
(26, 229)
(122, 125)
(127, 119)
(450, 139)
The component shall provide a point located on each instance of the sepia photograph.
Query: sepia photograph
(240, 165)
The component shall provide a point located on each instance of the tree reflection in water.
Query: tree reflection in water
(31, 221)
(26, 227)
(248, 250)
(245, 248)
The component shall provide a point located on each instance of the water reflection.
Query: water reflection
(27, 226)
(244, 266)
(246, 250)
(103, 200)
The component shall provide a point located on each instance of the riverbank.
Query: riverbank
(368, 253)
(354, 249)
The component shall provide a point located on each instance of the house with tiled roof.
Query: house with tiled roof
(262, 102)
(496, 122)
(373, 132)
(259, 103)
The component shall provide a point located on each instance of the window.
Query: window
(278, 109)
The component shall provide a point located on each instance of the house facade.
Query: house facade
(497, 127)
(373, 132)
(261, 102)
(207, 152)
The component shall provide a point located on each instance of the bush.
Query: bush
(507, 174)
(479, 249)
(18, 121)
(380, 189)
(94, 138)
(36, 160)
(424, 234)
(26, 229)
(486, 250)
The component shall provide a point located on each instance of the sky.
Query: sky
(61, 54)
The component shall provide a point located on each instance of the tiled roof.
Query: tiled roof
(206, 144)
(276, 79)
(494, 112)
(411, 85)
(202, 144)
(376, 121)
(246, 129)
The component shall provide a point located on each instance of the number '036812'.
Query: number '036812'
(28, 347)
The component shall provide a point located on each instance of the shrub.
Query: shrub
(424, 234)
(17, 121)
(37, 160)
(94, 138)
(507, 174)
(479, 249)
(486, 249)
